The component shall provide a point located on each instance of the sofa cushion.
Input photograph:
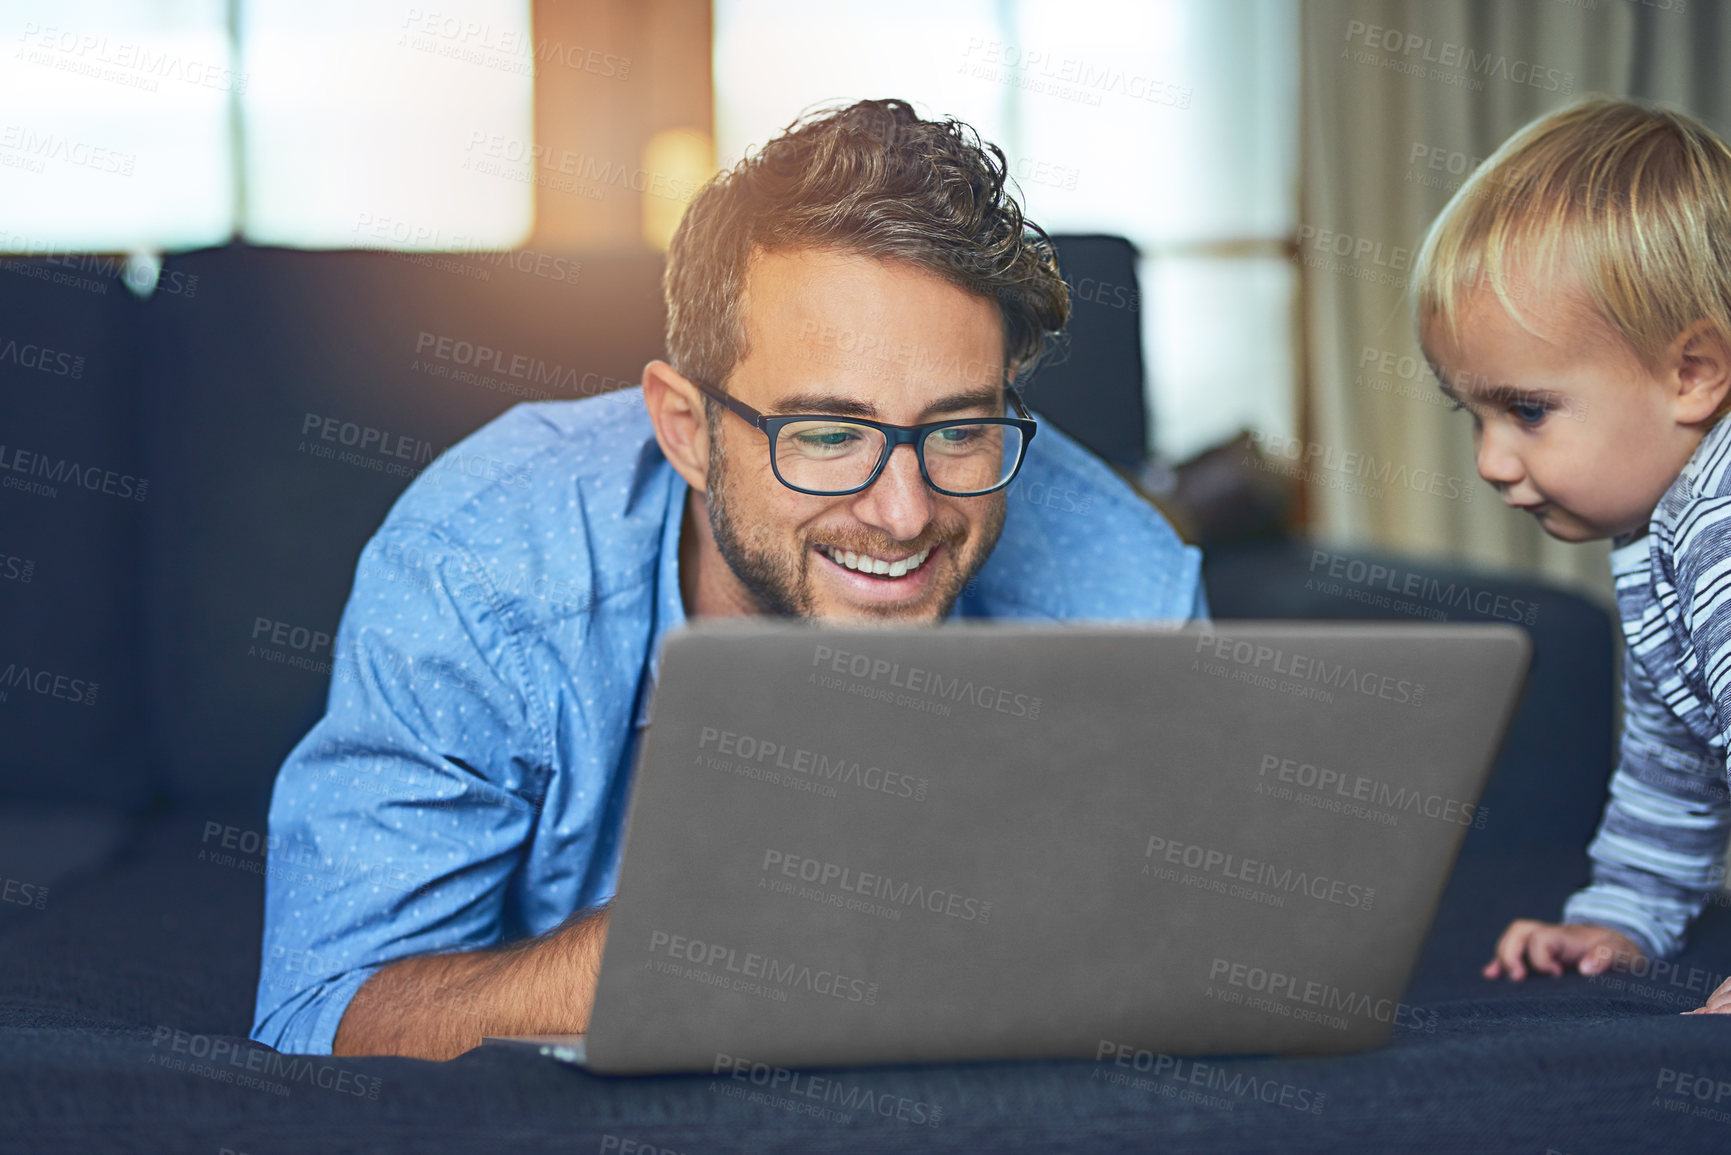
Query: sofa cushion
(75, 501)
(288, 416)
(124, 1009)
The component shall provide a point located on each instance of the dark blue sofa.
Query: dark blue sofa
(183, 634)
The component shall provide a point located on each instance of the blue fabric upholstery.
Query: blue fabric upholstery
(70, 590)
(253, 528)
(1090, 382)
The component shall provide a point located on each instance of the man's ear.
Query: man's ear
(1700, 366)
(682, 430)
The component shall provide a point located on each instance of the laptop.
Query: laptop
(994, 841)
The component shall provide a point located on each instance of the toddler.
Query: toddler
(1574, 298)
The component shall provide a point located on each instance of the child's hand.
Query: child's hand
(1551, 948)
(1718, 1003)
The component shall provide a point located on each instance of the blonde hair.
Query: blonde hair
(1633, 201)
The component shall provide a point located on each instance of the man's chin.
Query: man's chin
(855, 615)
(923, 612)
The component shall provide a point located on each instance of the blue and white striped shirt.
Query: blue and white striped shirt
(1659, 853)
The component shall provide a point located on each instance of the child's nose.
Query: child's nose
(1498, 462)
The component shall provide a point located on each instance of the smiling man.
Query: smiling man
(784, 534)
(835, 436)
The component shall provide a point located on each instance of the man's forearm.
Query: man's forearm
(438, 1006)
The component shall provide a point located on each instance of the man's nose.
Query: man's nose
(899, 502)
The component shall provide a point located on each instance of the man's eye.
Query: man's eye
(827, 438)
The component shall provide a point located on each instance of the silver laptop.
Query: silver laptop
(991, 841)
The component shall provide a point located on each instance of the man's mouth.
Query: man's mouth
(876, 566)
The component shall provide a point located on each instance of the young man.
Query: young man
(445, 839)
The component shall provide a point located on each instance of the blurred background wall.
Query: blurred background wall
(1402, 99)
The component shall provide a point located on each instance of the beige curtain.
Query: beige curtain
(1400, 98)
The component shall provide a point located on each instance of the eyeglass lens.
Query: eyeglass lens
(838, 455)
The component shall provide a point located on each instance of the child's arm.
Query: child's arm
(1656, 857)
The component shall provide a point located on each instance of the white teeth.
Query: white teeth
(873, 565)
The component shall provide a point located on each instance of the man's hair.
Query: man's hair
(1632, 202)
(871, 179)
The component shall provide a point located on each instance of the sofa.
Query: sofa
(176, 545)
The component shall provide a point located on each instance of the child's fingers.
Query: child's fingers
(1597, 959)
(1718, 1003)
(1495, 968)
(1512, 950)
(1606, 948)
(1543, 950)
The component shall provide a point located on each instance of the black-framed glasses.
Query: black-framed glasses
(834, 456)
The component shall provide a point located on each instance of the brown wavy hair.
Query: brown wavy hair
(875, 179)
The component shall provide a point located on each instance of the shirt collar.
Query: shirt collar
(1689, 481)
(1680, 492)
(669, 601)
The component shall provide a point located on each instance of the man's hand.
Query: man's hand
(1551, 948)
(1718, 1003)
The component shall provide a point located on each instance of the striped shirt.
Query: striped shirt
(1659, 852)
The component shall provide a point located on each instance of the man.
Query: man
(445, 839)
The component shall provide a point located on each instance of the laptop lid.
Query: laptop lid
(986, 841)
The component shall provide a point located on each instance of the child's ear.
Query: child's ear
(1701, 362)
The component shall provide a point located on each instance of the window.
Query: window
(318, 123)
(114, 125)
(370, 124)
(1174, 124)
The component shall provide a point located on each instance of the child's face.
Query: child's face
(1568, 424)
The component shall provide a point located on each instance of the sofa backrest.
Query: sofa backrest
(1091, 382)
(209, 462)
(277, 402)
(75, 510)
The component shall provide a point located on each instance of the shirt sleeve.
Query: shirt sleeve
(397, 820)
(1659, 852)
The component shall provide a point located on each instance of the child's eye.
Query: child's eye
(1530, 412)
(1456, 407)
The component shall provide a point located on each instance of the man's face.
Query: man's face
(1569, 425)
(843, 335)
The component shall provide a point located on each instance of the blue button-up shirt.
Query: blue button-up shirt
(467, 783)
